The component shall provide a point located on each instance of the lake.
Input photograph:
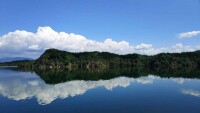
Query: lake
(37, 92)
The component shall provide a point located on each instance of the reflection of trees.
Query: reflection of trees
(61, 75)
(54, 76)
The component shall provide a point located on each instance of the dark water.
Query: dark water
(26, 92)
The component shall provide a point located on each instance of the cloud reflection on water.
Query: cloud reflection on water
(191, 92)
(22, 88)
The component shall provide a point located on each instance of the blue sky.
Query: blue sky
(154, 22)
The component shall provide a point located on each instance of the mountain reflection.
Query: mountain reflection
(22, 87)
(58, 76)
(50, 85)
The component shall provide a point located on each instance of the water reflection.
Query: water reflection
(22, 87)
(191, 92)
(19, 85)
(58, 76)
(179, 80)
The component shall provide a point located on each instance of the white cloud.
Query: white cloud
(189, 34)
(1, 44)
(178, 46)
(27, 44)
(191, 92)
(34, 47)
(143, 46)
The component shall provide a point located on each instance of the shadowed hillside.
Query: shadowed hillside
(53, 58)
(56, 59)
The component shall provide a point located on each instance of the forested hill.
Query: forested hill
(56, 59)
(53, 58)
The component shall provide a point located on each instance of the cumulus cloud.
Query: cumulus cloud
(19, 87)
(189, 34)
(34, 47)
(22, 43)
(143, 46)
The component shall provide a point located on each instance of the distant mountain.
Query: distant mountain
(56, 59)
(53, 58)
(10, 59)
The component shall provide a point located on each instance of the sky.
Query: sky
(29, 27)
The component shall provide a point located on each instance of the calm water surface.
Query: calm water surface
(26, 92)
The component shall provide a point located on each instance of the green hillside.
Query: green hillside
(57, 59)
